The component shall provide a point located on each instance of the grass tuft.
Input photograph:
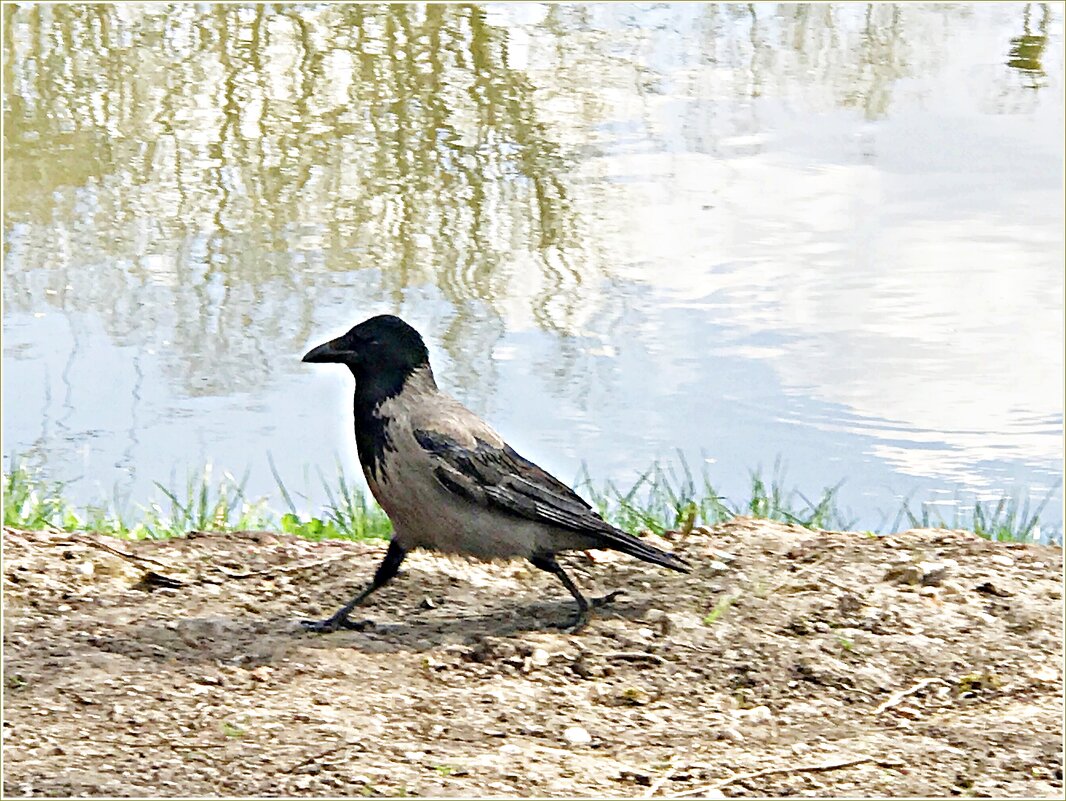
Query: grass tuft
(670, 499)
(661, 499)
(1006, 520)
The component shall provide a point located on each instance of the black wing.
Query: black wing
(501, 479)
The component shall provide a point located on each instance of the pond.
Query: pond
(830, 235)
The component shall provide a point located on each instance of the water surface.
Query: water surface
(830, 233)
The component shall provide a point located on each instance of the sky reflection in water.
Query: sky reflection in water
(829, 233)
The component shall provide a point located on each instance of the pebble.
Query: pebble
(686, 621)
(716, 567)
(599, 693)
(988, 588)
(954, 588)
(1046, 673)
(730, 733)
(904, 574)
(1001, 559)
(659, 619)
(576, 735)
(540, 657)
(756, 715)
(933, 573)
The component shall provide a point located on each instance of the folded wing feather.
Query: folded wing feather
(502, 479)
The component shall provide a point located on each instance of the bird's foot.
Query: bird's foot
(579, 622)
(335, 623)
(603, 600)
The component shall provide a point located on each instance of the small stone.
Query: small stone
(600, 693)
(642, 779)
(1046, 673)
(660, 620)
(490, 649)
(933, 573)
(929, 592)
(686, 621)
(988, 588)
(586, 671)
(576, 735)
(849, 602)
(803, 709)
(87, 569)
(756, 715)
(908, 574)
(730, 733)
(1001, 559)
(759, 715)
(539, 657)
(716, 567)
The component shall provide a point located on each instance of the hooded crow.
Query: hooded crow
(447, 481)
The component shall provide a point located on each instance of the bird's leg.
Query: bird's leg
(549, 564)
(603, 600)
(388, 568)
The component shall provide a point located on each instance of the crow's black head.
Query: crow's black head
(381, 353)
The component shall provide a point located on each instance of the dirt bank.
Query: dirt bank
(790, 662)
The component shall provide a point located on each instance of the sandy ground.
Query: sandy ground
(790, 662)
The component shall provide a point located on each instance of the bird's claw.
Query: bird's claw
(578, 624)
(332, 624)
(603, 600)
(581, 620)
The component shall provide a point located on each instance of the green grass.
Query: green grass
(663, 498)
(1008, 519)
(204, 503)
(720, 608)
(671, 498)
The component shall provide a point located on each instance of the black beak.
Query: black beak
(329, 352)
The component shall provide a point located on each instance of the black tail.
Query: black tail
(619, 540)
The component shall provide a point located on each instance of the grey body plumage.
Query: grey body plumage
(447, 480)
